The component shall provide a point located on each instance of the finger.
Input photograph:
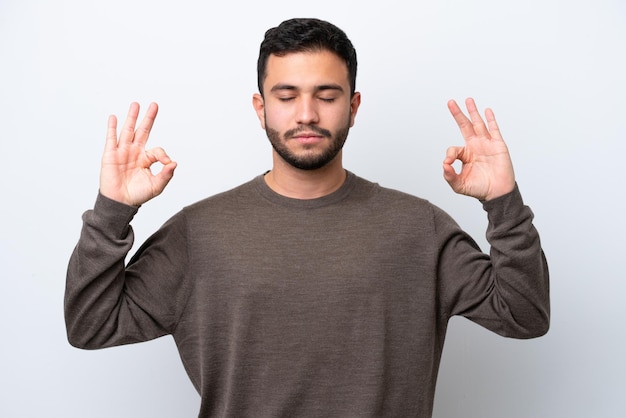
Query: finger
(450, 175)
(157, 155)
(479, 126)
(111, 138)
(167, 170)
(143, 131)
(166, 173)
(465, 125)
(452, 154)
(128, 130)
(494, 130)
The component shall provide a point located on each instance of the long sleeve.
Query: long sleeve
(337, 305)
(508, 291)
(107, 303)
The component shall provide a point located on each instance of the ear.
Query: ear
(259, 107)
(355, 102)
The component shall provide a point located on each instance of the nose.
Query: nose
(306, 111)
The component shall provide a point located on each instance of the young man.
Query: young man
(307, 291)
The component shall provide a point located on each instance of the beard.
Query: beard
(309, 159)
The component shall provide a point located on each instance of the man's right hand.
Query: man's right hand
(125, 175)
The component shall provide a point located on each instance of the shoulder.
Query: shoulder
(389, 196)
(220, 201)
(404, 216)
(399, 206)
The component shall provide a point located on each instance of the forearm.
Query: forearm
(520, 268)
(96, 274)
(507, 292)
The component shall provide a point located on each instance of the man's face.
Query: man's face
(306, 109)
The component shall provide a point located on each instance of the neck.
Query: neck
(295, 183)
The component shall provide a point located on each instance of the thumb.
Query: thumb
(449, 173)
(165, 174)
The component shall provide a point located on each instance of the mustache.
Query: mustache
(307, 128)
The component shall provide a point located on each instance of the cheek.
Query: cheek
(277, 118)
(341, 118)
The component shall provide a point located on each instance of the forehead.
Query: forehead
(305, 69)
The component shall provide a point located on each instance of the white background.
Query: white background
(552, 70)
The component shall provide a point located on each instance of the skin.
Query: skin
(304, 90)
(125, 174)
(487, 170)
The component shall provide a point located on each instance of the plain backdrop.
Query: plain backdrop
(553, 71)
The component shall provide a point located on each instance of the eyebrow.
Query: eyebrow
(322, 87)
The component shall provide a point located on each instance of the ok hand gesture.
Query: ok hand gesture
(125, 175)
(487, 171)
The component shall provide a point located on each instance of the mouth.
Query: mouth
(308, 138)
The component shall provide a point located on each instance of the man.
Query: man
(307, 291)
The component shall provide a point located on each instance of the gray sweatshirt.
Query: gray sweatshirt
(336, 306)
